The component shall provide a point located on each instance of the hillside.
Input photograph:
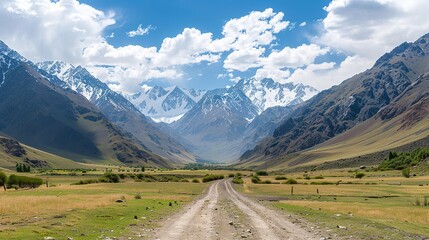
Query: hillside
(374, 97)
(120, 111)
(12, 152)
(60, 121)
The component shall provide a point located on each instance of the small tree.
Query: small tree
(143, 169)
(3, 180)
(18, 167)
(406, 172)
(360, 175)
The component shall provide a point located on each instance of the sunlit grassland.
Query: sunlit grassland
(373, 207)
(90, 211)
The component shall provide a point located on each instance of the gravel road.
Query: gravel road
(224, 213)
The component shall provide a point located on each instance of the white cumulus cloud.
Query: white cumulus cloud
(364, 30)
(43, 29)
(360, 30)
(140, 31)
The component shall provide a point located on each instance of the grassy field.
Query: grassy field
(90, 211)
(378, 206)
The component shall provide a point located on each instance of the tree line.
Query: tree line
(16, 181)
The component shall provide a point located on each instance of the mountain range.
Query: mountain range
(225, 123)
(54, 110)
(130, 136)
(383, 107)
(119, 111)
(165, 104)
(46, 116)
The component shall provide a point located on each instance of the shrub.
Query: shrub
(323, 183)
(109, 178)
(195, 180)
(138, 196)
(88, 181)
(237, 180)
(24, 182)
(255, 179)
(291, 181)
(266, 182)
(406, 172)
(399, 161)
(262, 173)
(231, 175)
(281, 178)
(360, 175)
(212, 177)
(319, 177)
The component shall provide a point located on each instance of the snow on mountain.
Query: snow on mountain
(6, 63)
(165, 104)
(80, 80)
(267, 93)
(118, 110)
(171, 103)
(215, 125)
(5, 50)
(10, 54)
(77, 78)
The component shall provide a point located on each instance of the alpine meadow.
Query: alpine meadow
(190, 120)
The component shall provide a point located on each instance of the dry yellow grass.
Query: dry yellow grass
(362, 189)
(19, 208)
(386, 202)
(418, 215)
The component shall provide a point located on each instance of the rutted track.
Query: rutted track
(223, 213)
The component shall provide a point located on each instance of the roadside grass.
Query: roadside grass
(371, 208)
(90, 211)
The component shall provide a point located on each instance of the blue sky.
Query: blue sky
(168, 18)
(211, 44)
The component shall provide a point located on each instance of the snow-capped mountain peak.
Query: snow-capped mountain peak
(57, 68)
(165, 104)
(81, 81)
(5, 50)
(267, 93)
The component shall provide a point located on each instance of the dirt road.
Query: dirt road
(224, 213)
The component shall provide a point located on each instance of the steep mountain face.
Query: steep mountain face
(412, 104)
(217, 109)
(227, 122)
(41, 114)
(165, 104)
(264, 125)
(374, 92)
(403, 125)
(215, 125)
(119, 111)
(267, 93)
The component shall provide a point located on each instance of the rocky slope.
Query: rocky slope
(119, 111)
(44, 115)
(376, 92)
